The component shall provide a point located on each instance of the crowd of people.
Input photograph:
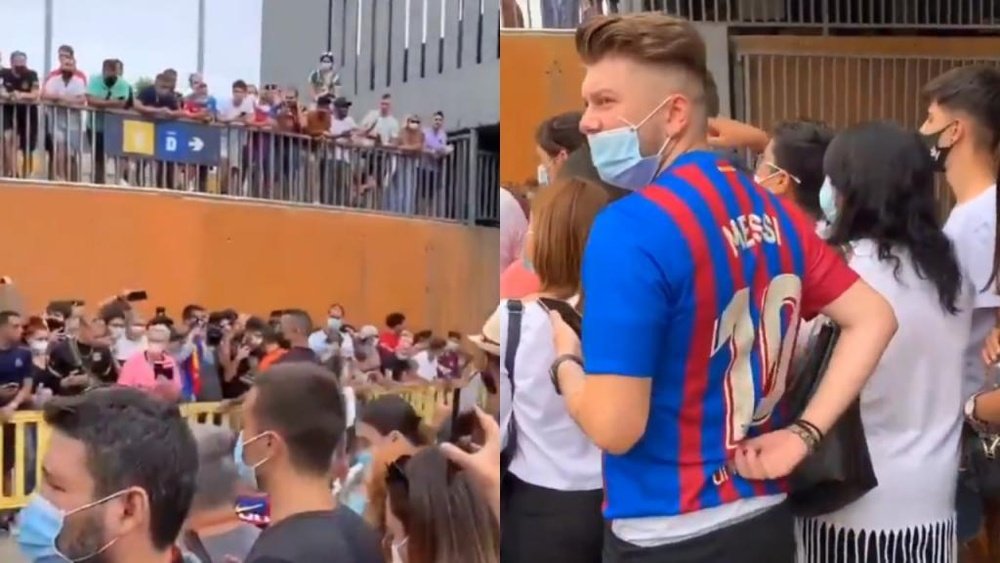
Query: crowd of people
(705, 360)
(323, 469)
(275, 143)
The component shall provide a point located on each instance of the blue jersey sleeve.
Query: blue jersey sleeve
(626, 305)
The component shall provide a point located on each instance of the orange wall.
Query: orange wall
(89, 243)
(540, 76)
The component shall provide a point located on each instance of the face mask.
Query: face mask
(828, 201)
(325, 66)
(109, 81)
(67, 74)
(246, 471)
(542, 175)
(334, 323)
(939, 154)
(41, 524)
(617, 157)
(39, 347)
(452, 346)
(397, 551)
(117, 332)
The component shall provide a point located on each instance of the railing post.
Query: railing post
(472, 176)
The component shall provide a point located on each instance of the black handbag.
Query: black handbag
(840, 471)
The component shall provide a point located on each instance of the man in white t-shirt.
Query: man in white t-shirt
(66, 89)
(235, 111)
(427, 360)
(961, 136)
(958, 131)
(380, 125)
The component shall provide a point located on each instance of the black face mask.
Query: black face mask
(67, 74)
(939, 154)
(19, 69)
(109, 81)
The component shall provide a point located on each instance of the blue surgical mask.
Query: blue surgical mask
(42, 522)
(542, 175)
(828, 201)
(334, 323)
(617, 156)
(246, 471)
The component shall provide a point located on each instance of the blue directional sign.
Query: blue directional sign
(168, 141)
(187, 143)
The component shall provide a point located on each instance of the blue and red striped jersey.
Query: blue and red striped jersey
(699, 282)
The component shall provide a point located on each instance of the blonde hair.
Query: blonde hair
(561, 217)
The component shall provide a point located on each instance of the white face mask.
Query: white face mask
(117, 332)
(542, 175)
(156, 347)
(39, 347)
(617, 156)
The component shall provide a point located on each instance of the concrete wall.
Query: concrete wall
(369, 40)
(252, 257)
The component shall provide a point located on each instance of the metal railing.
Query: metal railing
(910, 14)
(76, 144)
(26, 435)
(488, 203)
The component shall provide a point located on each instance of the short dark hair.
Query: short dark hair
(455, 334)
(120, 425)
(975, 91)
(301, 319)
(303, 403)
(390, 412)
(560, 133)
(6, 316)
(439, 113)
(387, 96)
(66, 49)
(799, 147)
(240, 84)
(395, 319)
(109, 64)
(437, 344)
(190, 311)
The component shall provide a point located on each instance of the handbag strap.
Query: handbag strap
(515, 310)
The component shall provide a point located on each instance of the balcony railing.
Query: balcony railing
(74, 144)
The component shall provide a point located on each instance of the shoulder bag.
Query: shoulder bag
(515, 310)
(840, 471)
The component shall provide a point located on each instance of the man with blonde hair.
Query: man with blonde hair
(695, 284)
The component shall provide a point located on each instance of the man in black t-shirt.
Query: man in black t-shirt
(293, 421)
(159, 101)
(19, 91)
(82, 362)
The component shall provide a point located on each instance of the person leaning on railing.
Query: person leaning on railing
(105, 91)
(19, 90)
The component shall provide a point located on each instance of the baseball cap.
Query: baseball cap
(368, 331)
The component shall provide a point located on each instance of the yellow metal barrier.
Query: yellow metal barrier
(26, 435)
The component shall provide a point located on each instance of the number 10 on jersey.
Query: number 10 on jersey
(774, 335)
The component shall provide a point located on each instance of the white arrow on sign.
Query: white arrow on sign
(196, 144)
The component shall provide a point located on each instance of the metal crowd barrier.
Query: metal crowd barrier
(76, 144)
(847, 14)
(26, 435)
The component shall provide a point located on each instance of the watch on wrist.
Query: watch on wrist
(970, 410)
(554, 370)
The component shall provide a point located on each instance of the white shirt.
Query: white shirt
(56, 86)
(427, 367)
(339, 127)
(912, 404)
(972, 229)
(385, 126)
(513, 226)
(229, 111)
(552, 451)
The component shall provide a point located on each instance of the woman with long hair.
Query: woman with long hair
(553, 488)
(880, 199)
(436, 513)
